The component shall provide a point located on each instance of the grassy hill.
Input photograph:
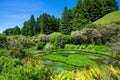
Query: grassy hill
(111, 17)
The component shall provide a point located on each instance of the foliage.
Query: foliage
(91, 74)
(66, 26)
(86, 35)
(29, 27)
(40, 38)
(75, 59)
(27, 71)
(49, 46)
(76, 37)
(40, 45)
(108, 30)
(94, 9)
(3, 41)
(16, 48)
(89, 35)
(12, 31)
(47, 24)
(26, 41)
(6, 63)
(78, 22)
(114, 45)
(59, 39)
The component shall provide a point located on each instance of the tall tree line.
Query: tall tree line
(85, 11)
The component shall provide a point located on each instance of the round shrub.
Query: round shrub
(76, 37)
(59, 39)
(16, 48)
(49, 46)
(40, 45)
(40, 38)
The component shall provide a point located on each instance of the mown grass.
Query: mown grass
(111, 17)
(73, 59)
(100, 49)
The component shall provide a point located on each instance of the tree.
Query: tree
(109, 6)
(47, 24)
(79, 8)
(65, 26)
(87, 9)
(79, 19)
(12, 31)
(29, 27)
(24, 30)
(17, 30)
(96, 10)
(78, 22)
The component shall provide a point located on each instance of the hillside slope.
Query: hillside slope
(111, 17)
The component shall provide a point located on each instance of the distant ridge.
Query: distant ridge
(111, 17)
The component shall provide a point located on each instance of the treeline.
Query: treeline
(85, 12)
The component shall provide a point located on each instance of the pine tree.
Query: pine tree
(24, 30)
(78, 22)
(109, 6)
(79, 14)
(31, 26)
(47, 24)
(17, 30)
(65, 26)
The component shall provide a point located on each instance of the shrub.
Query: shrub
(72, 46)
(40, 45)
(86, 35)
(108, 30)
(6, 63)
(26, 41)
(11, 70)
(49, 46)
(3, 41)
(59, 39)
(76, 37)
(89, 35)
(114, 44)
(40, 38)
(94, 73)
(16, 48)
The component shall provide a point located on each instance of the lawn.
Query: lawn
(73, 59)
(111, 17)
(100, 49)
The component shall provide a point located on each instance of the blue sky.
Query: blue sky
(15, 12)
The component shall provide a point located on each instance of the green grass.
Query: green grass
(73, 59)
(111, 17)
(101, 49)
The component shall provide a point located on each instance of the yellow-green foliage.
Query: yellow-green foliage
(94, 73)
(111, 17)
